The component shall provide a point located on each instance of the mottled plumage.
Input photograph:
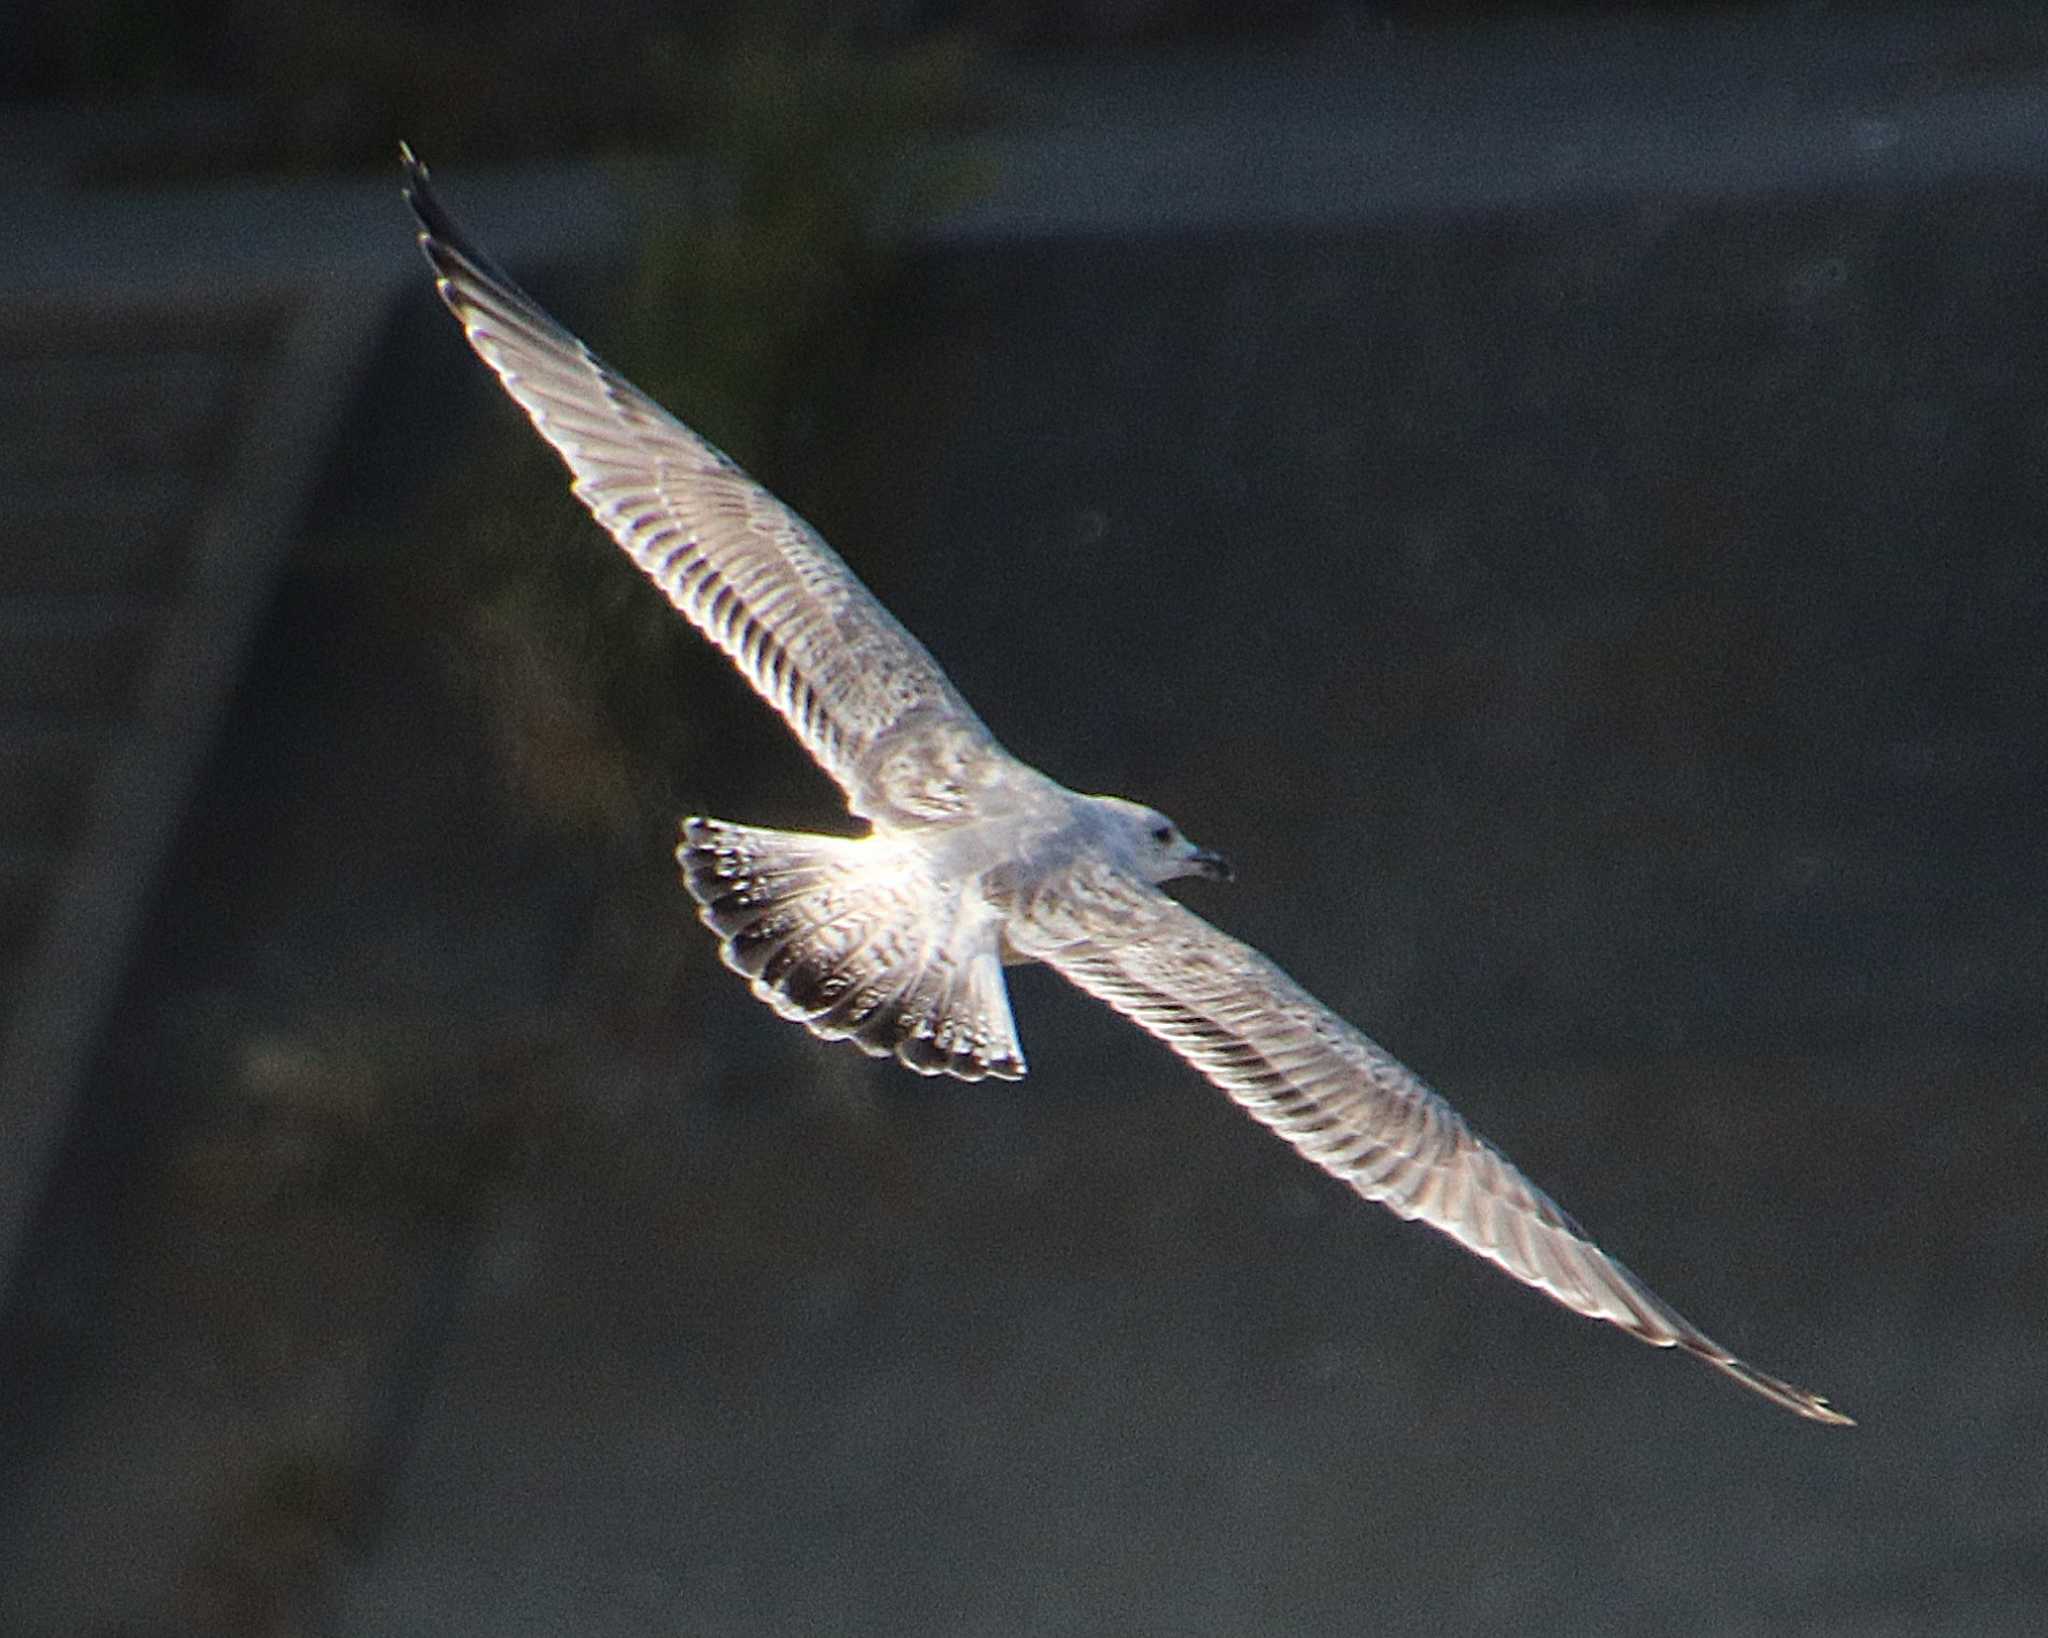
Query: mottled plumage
(895, 940)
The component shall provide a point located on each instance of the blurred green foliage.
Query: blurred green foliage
(822, 153)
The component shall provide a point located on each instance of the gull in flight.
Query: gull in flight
(896, 940)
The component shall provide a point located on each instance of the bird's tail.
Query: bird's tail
(858, 940)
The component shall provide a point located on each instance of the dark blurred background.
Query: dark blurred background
(1553, 491)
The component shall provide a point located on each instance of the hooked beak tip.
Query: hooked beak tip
(1212, 866)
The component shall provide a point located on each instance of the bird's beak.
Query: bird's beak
(1213, 866)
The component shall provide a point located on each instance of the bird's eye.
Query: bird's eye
(1162, 834)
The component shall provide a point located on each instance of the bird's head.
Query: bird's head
(1156, 845)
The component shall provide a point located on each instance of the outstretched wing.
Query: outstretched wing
(862, 694)
(1346, 1104)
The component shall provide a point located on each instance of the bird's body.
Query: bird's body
(896, 940)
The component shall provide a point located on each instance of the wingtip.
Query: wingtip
(418, 192)
(1818, 1409)
(1784, 1394)
(1813, 1408)
(416, 174)
(463, 272)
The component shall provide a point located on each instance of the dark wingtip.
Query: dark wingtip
(459, 264)
(418, 189)
(1799, 1401)
(434, 222)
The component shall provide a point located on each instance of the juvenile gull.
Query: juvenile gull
(896, 940)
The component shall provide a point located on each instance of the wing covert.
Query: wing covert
(865, 698)
(1349, 1106)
